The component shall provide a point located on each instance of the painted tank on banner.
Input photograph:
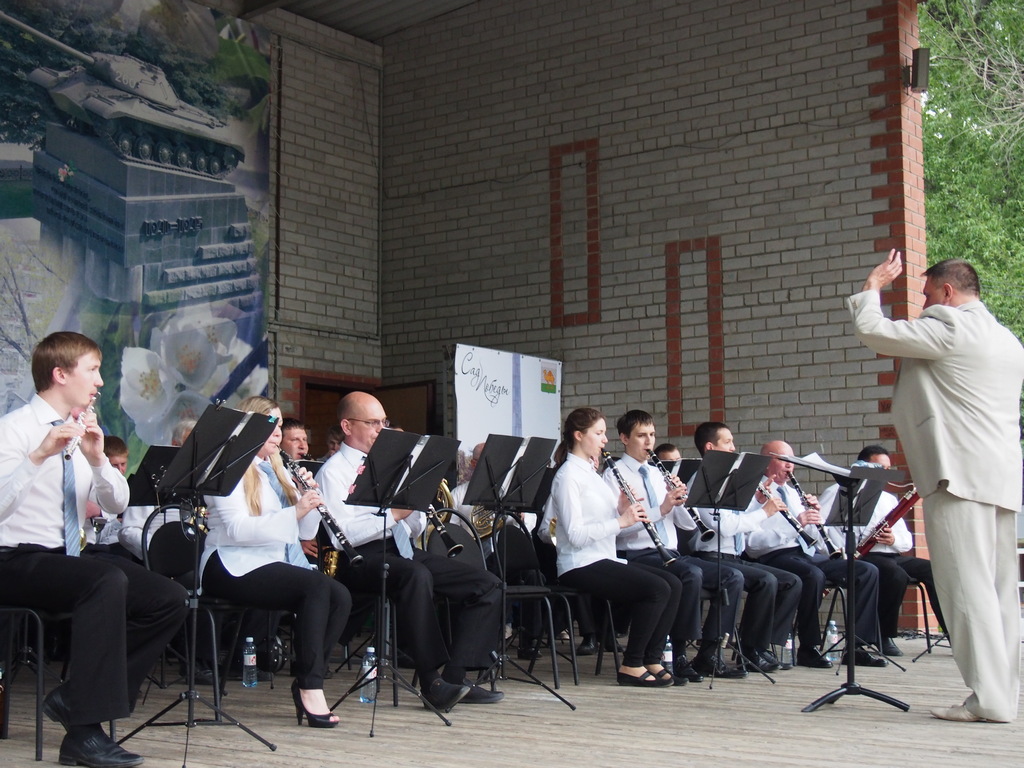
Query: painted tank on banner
(131, 104)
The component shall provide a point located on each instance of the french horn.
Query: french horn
(481, 517)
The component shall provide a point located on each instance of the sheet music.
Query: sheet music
(814, 461)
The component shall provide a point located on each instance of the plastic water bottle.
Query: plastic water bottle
(249, 678)
(666, 655)
(368, 674)
(788, 657)
(832, 642)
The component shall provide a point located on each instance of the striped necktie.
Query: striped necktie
(72, 527)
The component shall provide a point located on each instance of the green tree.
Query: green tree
(974, 144)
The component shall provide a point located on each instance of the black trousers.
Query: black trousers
(695, 574)
(813, 573)
(651, 591)
(122, 617)
(320, 604)
(894, 575)
(773, 596)
(413, 584)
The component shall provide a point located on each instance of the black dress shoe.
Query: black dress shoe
(889, 647)
(713, 666)
(864, 659)
(96, 750)
(755, 662)
(771, 658)
(480, 695)
(528, 653)
(684, 669)
(56, 708)
(587, 648)
(811, 657)
(443, 695)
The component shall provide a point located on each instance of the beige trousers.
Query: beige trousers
(973, 548)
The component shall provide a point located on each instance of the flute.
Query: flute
(788, 517)
(74, 442)
(706, 534)
(833, 552)
(442, 530)
(906, 503)
(353, 557)
(667, 557)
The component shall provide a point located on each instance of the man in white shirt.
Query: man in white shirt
(772, 593)
(667, 512)
(895, 568)
(122, 615)
(414, 576)
(776, 543)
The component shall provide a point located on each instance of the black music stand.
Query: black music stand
(210, 463)
(849, 480)
(401, 470)
(727, 480)
(506, 480)
(142, 485)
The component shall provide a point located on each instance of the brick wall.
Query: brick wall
(556, 173)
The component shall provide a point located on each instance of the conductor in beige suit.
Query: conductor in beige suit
(956, 407)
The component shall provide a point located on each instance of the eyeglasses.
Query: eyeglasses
(375, 423)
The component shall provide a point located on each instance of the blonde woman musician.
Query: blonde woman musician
(589, 515)
(252, 556)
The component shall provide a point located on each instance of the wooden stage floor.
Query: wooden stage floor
(736, 723)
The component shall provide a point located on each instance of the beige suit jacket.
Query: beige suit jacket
(956, 404)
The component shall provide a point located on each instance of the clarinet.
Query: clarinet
(442, 530)
(74, 442)
(898, 512)
(788, 517)
(353, 557)
(833, 552)
(667, 557)
(706, 534)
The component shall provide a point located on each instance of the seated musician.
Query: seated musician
(414, 576)
(295, 442)
(663, 501)
(121, 614)
(772, 593)
(588, 516)
(888, 555)
(135, 516)
(252, 557)
(776, 543)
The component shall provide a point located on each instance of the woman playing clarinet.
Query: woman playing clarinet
(253, 557)
(588, 515)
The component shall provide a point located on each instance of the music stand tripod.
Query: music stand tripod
(402, 470)
(727, 480)
(210, 463)
(506, 479)
(849, 480)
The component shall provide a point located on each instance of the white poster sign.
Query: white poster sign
(505, 393)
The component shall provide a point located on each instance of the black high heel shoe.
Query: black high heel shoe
(315, 721)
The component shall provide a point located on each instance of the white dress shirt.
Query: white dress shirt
(32, 497)
(775, 532)
(246, 541)
(904, 539)
(586, 514)
(635, 537)
(360, 524)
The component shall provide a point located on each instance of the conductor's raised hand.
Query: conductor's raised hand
(885, 273)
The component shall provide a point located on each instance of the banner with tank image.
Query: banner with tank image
(134, 202)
